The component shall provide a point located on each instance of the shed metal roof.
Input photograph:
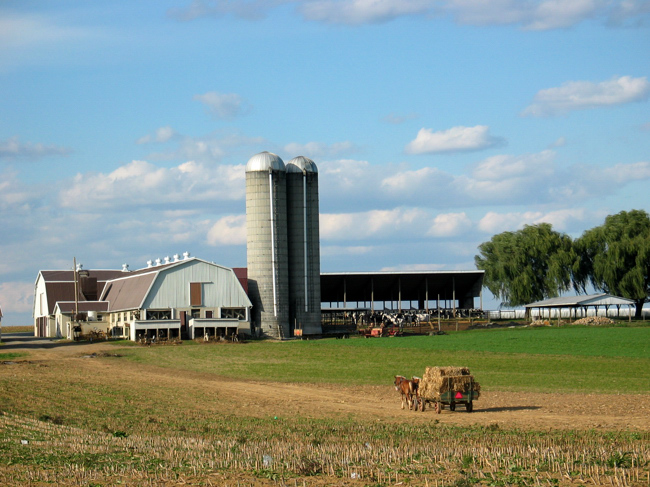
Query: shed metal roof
(602, 299)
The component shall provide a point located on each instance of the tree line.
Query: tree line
(537, 262)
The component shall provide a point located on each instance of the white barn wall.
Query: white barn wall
(221, 288)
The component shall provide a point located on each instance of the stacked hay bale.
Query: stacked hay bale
(540, 323)
(438, 380)
(594, 320)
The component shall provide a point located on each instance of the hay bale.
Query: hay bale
(438, 380)
(594, 320)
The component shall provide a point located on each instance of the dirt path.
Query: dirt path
(523, 410)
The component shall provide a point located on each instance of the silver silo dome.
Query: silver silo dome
(266, 244)
(304, 245)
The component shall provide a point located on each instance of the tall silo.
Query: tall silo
(304, 245)
(266, 244)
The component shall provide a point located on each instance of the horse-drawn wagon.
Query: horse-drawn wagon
(448, 386)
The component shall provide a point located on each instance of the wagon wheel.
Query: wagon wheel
(469, 407)
(438, 407)
(452, 406)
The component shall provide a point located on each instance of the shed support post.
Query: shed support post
(426, 293)
(399, 294)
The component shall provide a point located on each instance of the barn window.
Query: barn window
(159, 314)
(196, 298)
(233, 313)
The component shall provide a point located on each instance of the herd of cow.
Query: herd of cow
(412, 317)
(410, 392)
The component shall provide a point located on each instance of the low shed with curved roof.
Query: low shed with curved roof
(582, 302)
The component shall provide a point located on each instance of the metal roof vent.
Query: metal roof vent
(149, 263)
(158, 261)
(167, 259)
(177, 257)
(186, 255)
(125, 267)
(79, 266)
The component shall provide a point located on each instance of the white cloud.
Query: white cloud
(624, 173)
(16, 297)
(163, 134)
(362, 11)
(529, 14)
(13, 194)
(414, 181)
(455, 139)
(142, 183)
(449, 225)
(508, 179)
(554, 14)
(357, 226)
(578, 95)
(507, 166)
(12, 148)
(229, 230)
(316, 150)
(224, 106)
(561, 220)
(629, 13)
(344, 175)
(560, 142)
(337, 250)
(245, 9)
(208, 149)
(27, 30)
(414, 267)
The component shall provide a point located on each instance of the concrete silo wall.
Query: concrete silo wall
(267, 251)
(304, 250)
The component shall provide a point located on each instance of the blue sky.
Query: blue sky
(125, 126)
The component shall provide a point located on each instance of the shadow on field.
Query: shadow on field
(508, 408)
(12, 341)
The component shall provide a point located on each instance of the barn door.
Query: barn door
(184, 331)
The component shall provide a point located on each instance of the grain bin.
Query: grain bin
(266, 244)
(304, 246)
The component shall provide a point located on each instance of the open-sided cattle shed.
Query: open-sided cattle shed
(450, 289)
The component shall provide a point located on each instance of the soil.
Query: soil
(523, 410)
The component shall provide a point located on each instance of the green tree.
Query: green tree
(615, 257)
(527, 265)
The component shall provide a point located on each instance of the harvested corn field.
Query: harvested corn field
(86, 415)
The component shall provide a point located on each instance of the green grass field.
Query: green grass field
(566, 359)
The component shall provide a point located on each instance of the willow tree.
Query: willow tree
(528, 265)
(615, 257)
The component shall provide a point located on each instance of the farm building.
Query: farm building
(578, 306)
(184, 298)
(423, 290)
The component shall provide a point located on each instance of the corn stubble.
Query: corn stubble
(320, 453)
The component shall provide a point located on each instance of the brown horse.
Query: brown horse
(415, 386)
(408, 389)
